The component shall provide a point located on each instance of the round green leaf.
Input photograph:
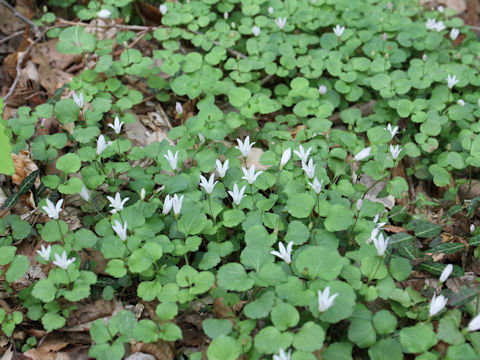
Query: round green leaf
(309, 338)
(319, 261)
(417, 339)
(300, 205)
(284, 316)
(223, 348)
(68, 163)
(233, 276)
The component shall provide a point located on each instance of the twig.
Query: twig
(140, 36)
(120, 26)
(20, 16)
(6, 38)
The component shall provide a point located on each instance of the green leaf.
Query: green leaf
(260, 307)
(309, 338)
(223, 348)
(461, 352)
(319, 261)
(441, 177)
(66, 111)
(75, 40)
(140, 260)
(297, 232)
(192, 222)
(361, 333)
(232, 218)
(68, 163)
(397, 186)
(427, 230)
(232, 276)
(145, 331)
(214, 328)
(400, 268)
(385, 322)
(99, 332)
(417, 339)
(284, 316)
(269, 340)
(50, 232)
(239, 96)
(51, 321)
(338, 351)
(6, 254)
(301, 205)
(386, 346)
(338, 218)
(404, 108)
(6, 162)
(18, 268)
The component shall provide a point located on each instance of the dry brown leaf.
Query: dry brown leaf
(8, 23)
(394, 229)
(58, 60)
(90, 312)
(162, 350)
(47, 76)
(39, 354)
(24, 166)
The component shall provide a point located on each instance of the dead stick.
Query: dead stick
(20, 16)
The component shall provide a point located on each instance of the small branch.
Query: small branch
(20, 16)
(11, 36)
(119, 26)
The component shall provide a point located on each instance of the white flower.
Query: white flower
(250, 174)
(244, 146)
(117, 203)
(104, 14)
(440, 26)
(225, 15)
(309, 168)
(338, 30)
(236, 195)
(179, 108)
(256, 30)
(478, 102)
(208, 185)
(177, 204)
(359, 204)
(395, 151)
(201, 137)
(316, 186)
(441, 9)
(163, 9)
(454, 33)
(325, 301)
(85, 193)
(284, 254)
(120, 230)
(142, 194)
(232, 25)
(451, 81)
(282, 355)
(381, 244)
(393, 131)
(373, 235)
(384, 36)
(472, 228)
(424, 57)
(117, 125)
(287, 154)
(322, 89)
(474, 324)
(172, 159)
(62, 261)
(45, 252)
(363, 154)
(437, 304)
(102, 144)
(42, 123)
(270, 10)
(461, 102)
(53, 211)
(302, 154)
(78, 99)
(167, 204)
(431, 24)
(221, 169)
(446, 273)
(281, 22)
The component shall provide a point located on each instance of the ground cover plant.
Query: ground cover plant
(320, 248)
